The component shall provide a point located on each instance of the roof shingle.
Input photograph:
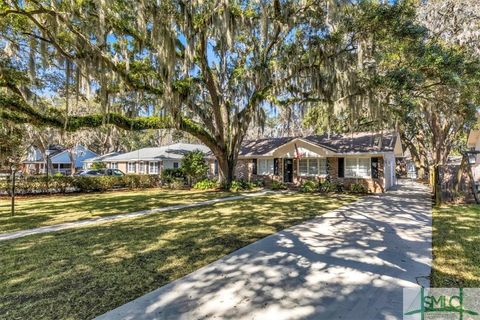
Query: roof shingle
(361, 142)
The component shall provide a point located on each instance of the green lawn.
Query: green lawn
(44, 210)
(456, 246)
(81, 273)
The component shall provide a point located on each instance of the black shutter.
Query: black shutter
(375, 168)
(341, 167)
(275, 166)
(215, 168)
(254, 166)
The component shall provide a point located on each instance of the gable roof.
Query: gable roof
(59, 154)
(80, 153)
(361, 142)
(102, 157)
(174, 151)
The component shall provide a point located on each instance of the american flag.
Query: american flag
(298, 155)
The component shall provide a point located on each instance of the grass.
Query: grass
(37, 211)
(456, 246)
(82, 273)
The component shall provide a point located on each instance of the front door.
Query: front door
(288, 170)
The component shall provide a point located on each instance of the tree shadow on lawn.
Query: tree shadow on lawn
(33, 213)
(86, 272)
(456, 246)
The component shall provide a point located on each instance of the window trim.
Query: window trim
(269, 170)
(346, 175)
(318, 174)
(135, 167)
(156, 165)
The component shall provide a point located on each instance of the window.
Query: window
(132, 168)
(114, 165)
(312, 167)
(303, 167)
(357, 167)
(175, 165)
(153, 168)
(322, 166)
(265, 166)
(141, 167)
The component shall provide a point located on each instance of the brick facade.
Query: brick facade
(373, 185)
(244, 170)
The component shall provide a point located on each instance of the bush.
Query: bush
(236, 186)
(206, 184)
(169, 175)
(101, 183)
(308, 186)
(61, 184)
(241, 185)
(328, 186)
(277, 185)
(358, 188)
(194, 166)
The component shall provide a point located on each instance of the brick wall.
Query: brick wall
(373, 185)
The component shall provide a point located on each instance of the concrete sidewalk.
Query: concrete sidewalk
(351, 263)
(86, 222)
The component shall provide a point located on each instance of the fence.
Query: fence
(453, 189)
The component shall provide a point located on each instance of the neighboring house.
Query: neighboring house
(59, 157)
(473, 144)
(153, 160)
(364, 158)
(87, 163)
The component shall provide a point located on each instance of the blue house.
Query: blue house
(60, 159)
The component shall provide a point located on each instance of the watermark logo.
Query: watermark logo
(441, 303)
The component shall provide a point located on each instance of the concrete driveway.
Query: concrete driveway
(351, 263)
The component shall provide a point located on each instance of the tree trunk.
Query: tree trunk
(226, 170)
(437, 188)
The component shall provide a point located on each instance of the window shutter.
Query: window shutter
(341, 167)
(375, 168)
(275, 166)
(254, 166)
(215, 168)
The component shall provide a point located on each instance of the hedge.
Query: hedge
(63, 184)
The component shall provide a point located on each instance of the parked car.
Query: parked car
(100, 172)
(88, 173)
(111, 172)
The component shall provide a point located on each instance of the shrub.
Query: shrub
(206, 184)
(241, 185)
(236, 186)
(358, 188)
(169, 175)
(61, 184)
(277, 185)
(194, 165)
(101, 183)
(308, 186)
(328, 186)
